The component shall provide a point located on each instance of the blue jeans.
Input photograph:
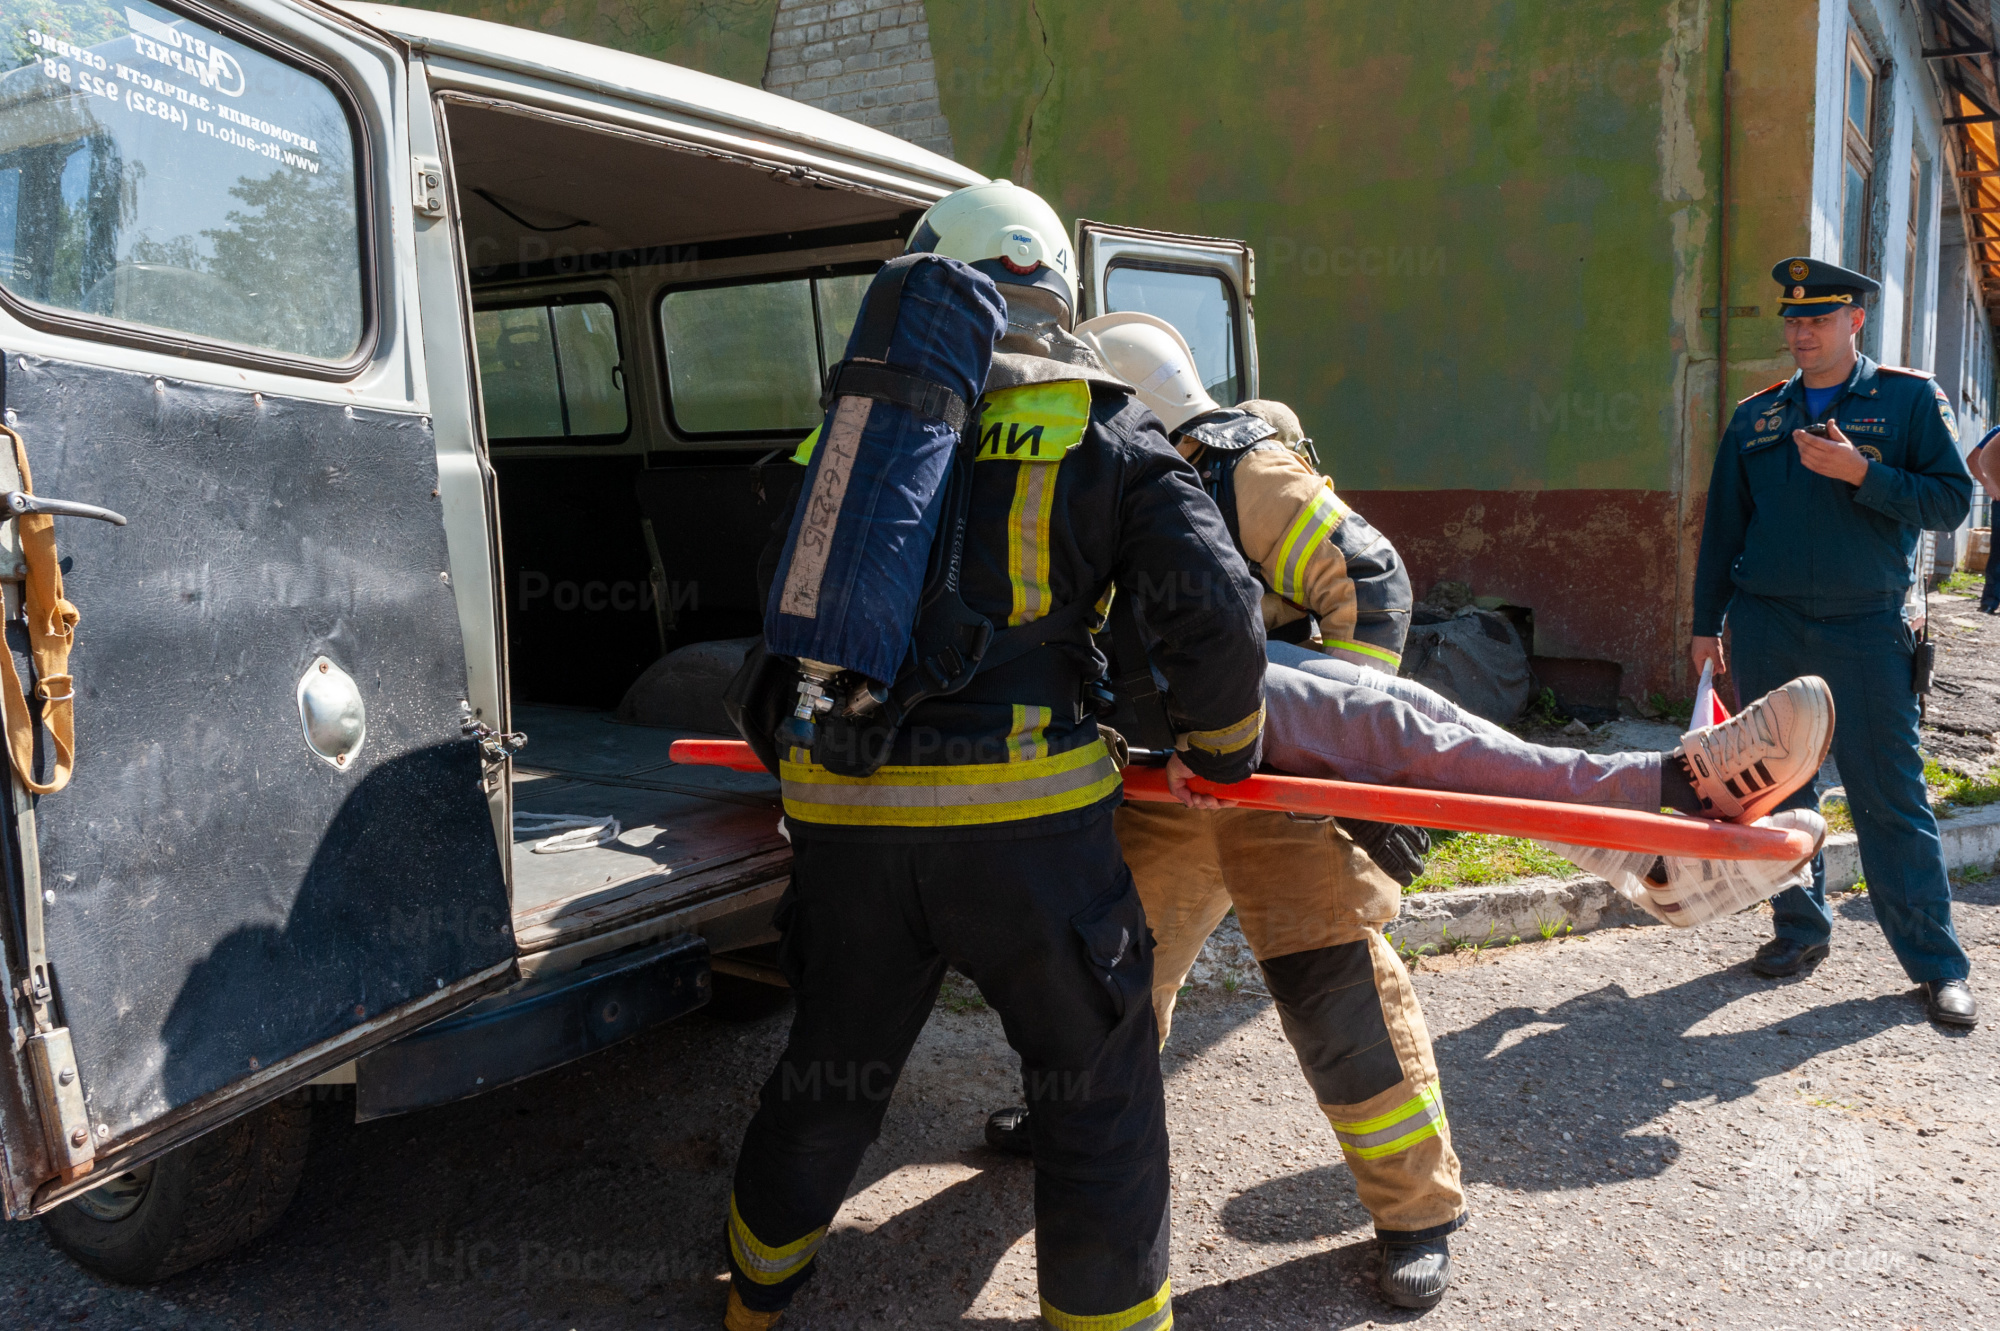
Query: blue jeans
(1865, 659)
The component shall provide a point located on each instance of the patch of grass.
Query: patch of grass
(1543, 711)
(958, 994)
(1551, 925)
(1860, 885)
(1962, 583)
(1677, 710)
(1948, 787)
(1471, 859)
(1839, 818)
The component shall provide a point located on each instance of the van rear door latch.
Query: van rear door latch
(494, 745)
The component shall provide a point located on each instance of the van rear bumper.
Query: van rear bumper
(536, 1025)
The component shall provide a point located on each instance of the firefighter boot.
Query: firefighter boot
(1744, 766)
(1007, 1131)
(1414, 1275)
(740, 1318)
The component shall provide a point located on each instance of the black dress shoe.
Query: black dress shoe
(1782, 957)
(1414, 1274)
(1950, 1003)
(1007, 1131)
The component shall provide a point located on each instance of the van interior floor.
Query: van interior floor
(682, 829)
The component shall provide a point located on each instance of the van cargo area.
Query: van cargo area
(652, 326)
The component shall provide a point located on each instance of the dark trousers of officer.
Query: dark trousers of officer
(1989, 594)
(1051, 930)
(1865, 659)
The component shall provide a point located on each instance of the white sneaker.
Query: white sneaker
(1744, 766)
(1684, 891)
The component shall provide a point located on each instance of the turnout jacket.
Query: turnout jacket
(1820, 546)
(1077, 495)
(1316, 555)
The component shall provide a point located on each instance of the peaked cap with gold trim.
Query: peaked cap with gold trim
(1809, 287)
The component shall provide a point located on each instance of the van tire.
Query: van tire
(209, 1197)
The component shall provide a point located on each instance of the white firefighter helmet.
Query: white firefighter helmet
(1150, 354)
(1004, 231)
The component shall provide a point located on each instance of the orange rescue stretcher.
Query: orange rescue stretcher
(1574, 824)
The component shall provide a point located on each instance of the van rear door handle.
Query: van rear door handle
(17, 504)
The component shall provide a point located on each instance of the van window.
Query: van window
(1199, 304)
(749, 358)
(551, 372)
(156, 170)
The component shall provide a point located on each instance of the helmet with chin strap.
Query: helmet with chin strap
(1006, 232)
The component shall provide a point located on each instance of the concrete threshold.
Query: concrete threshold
(1546, 907)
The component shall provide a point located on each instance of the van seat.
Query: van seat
(683, 689)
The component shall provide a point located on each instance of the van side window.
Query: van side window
(1197, 303)
(158, 171)
(551, 372)
(749, 358)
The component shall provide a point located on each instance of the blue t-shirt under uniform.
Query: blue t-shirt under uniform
(1818, 399)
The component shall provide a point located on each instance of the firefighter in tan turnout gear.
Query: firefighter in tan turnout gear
(1311, 902)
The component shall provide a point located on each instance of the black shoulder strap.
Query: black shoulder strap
(866, 373)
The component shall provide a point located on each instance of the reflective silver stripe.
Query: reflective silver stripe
(1428, 1111)
(761, 1262)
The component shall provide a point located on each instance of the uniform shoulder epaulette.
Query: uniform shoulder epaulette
(1904, 369)
(1767, 388)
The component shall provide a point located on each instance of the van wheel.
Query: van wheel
(197, 1202)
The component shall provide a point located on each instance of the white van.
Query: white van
(446, 375)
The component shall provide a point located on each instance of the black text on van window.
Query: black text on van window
(157, 171)
(551, 372)
(1198, 304)
(750, 358)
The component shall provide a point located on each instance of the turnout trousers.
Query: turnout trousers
(1312, 906)
(1051, 930)
(1865, 660)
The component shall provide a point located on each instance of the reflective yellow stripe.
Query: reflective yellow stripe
(1028, 554)
(1365, 649)
(1398, 1130)
(761, 1262)
(1230, 738)
(950, 796)
(1026, 739)
(1155, 1314)
(803, 454)
(1034, 422)
(1315, 523)
(1101, 612)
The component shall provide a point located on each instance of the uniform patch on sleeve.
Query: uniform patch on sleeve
(1034, 422)
(1944, 410)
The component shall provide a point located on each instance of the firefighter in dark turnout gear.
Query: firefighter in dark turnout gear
(985, 842)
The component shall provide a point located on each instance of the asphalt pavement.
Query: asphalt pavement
(1651, 1137)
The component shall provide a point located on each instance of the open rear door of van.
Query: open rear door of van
(275, 852)
(1202, 285)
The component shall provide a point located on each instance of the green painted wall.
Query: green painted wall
(1484, 231)
(728, 38)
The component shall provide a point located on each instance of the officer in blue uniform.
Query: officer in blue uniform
(1823, 485)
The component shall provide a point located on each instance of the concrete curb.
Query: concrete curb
(1970, 837)
(1510, 911)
